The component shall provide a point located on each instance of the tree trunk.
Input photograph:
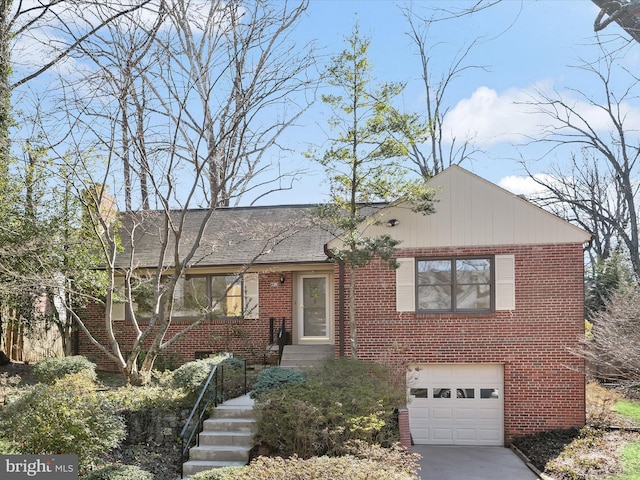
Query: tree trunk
(5, 90)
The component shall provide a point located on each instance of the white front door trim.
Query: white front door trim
(314, 323)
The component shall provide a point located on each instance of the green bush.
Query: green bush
(340, 401)
(119, 472)
(347, 467)
(191, 376)
(362, 463)
(151, 398)
(7, 447)
(224, 473)
(68, 417)
(51, 369)
(275, 378)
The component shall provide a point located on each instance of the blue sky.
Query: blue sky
(527, 45)
(530, 44)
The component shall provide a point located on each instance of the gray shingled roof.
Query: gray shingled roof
(233, 236)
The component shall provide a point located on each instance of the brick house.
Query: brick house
(483, 365)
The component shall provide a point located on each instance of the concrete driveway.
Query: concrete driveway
(471, 463)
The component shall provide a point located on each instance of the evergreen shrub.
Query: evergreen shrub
(51, 369)
(119, 472)
(67, 417)
(275, 378)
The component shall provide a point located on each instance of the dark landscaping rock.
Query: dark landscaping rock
(4, 360)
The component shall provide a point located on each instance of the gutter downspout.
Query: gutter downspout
(341, 299)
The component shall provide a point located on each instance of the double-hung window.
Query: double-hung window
(216, 296)
(455, 284)
(212, 296)
(195, 296)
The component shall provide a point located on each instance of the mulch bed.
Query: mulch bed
(577, 455)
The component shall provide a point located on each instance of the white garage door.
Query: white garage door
(456, 404)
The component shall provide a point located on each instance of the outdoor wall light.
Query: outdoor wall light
(281, 278)
(392, 222)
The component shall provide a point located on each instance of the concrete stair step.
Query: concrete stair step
(194, 466)
(226, 438)
(229, 424)
(305, 355)
(224, 453)
(232, 411)
(326, 350)
(298, 363)
(239, 439)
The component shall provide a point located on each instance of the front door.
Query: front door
(314, 312)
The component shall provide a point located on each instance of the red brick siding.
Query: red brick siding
(404, 427)
(246, 338)
(543, 383)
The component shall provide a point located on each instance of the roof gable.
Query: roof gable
(471, 211)
(232, 237)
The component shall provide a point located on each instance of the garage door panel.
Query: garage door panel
(419, 413)
(442, 435)
(465, 413)
(465, 434)
(490, 414)
(439, 413)
(459, 404)
(490, 435)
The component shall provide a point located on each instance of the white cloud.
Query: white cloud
(488, 117)
(525, 185)
(29, 53)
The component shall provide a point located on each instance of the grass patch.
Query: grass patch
(628, 408)
(631, 462)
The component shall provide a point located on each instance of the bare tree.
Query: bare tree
(119, 61)
(600, 192)
(189, 99)
(613, 351)
(226, 72)
(182, 239)
(35, 37)
(585, 193)
(56, 29)
(436, 151)
(238, 64)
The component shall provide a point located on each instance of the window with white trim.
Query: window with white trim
(216, 296)
(212, 295)
(455, 284)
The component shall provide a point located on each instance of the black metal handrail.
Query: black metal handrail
(212, 390)
(282, 340)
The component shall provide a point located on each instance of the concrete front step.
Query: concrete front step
(236, 439)
(194, 466)
(305, 355)
(231, 424)
(233, 411)
(226, 438)
(223, 453)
